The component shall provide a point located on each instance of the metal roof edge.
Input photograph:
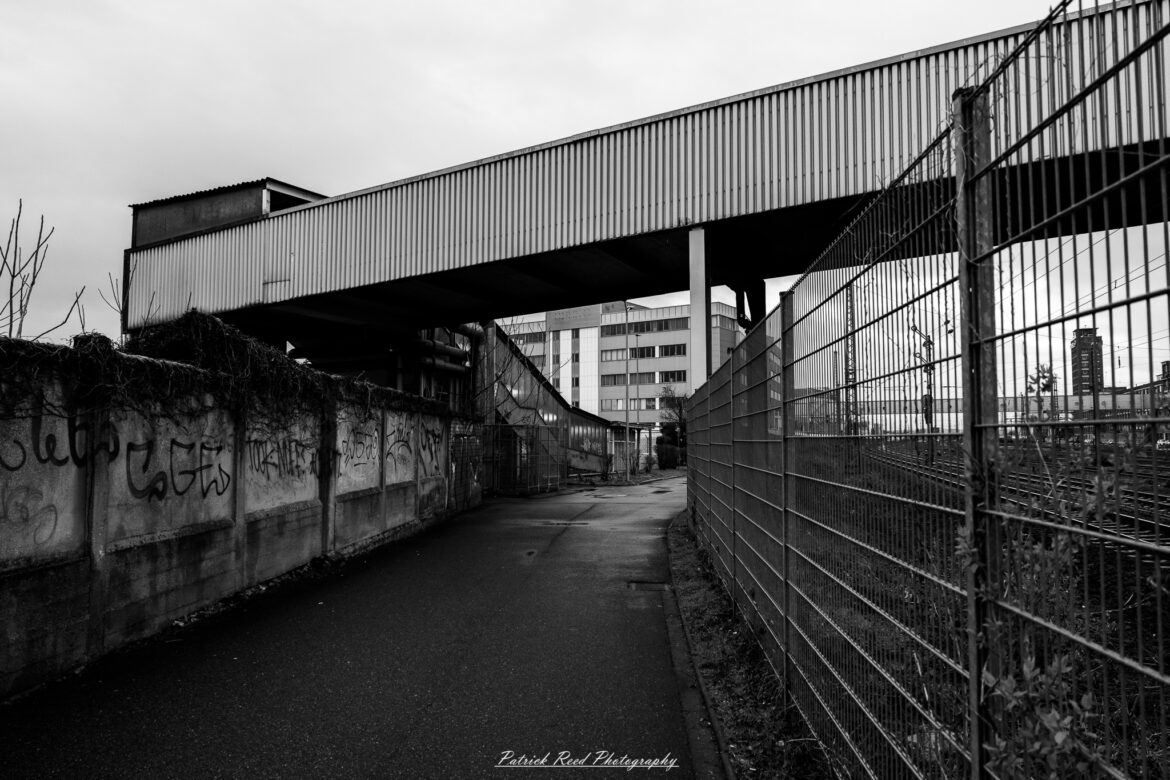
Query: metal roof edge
(737, 98)
(267, 180)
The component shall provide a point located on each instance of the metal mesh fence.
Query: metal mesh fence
(936, 478)
(523, 459)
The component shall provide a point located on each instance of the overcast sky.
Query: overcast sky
(106, 104)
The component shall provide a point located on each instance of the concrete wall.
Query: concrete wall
(114, 524)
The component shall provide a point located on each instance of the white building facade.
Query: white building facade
(612, 358)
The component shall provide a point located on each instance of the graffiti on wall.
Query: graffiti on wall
(358, 453)
(152, 470)
(432, 447)
(282, 457)
(147, 464)
(185, 465)
(399, 442)
(26, 513)
(168, 475)
(281, 463)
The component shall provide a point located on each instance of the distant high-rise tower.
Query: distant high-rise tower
(1087, 370)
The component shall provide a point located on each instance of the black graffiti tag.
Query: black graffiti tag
(14, 465)
(156, 488)
(283, 457)
(25, 506)
(359, 450)
(187, 464)
(45, 445)
(430, 448)
(200, 468)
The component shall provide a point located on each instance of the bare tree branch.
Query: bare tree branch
(76, 305)
(22, 272)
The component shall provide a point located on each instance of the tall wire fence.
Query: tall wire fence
(936, 479)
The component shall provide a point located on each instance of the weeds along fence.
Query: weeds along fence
(936, 479)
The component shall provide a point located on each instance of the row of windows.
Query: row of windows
(638, 353)
(648, 326)
(536, 337)
(636, 404)
(643, 378)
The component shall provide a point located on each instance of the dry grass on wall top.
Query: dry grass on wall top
(184, 368)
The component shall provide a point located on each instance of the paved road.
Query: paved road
(512, 628)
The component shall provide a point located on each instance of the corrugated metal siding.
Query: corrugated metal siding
(839, 135)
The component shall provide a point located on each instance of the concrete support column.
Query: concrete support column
(700, 347)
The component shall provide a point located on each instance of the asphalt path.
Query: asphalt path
(529, 629)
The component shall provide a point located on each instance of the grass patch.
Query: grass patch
(764, 732)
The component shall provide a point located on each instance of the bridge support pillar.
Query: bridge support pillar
(700, 346)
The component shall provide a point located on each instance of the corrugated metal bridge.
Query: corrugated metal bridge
(730, 192)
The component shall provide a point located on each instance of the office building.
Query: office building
(1087, 370)
(599, 366)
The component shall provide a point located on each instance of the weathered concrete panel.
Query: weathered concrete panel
(42, 485)
(169, 475)
(398, 504)
(400, 444)
(281, 540)
(152, 584)
(432, 497)
(281, 463)
(45, 622)
(358, 452)
(359, 517)
(433, 440)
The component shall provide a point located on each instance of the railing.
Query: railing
(934, 478)
(538, 439)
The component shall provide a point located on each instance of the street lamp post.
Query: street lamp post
(637, 388)
(626, 434)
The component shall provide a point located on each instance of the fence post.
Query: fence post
(787, 419)
(973, 212)
(731, 454)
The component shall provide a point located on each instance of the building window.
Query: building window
(535, 337)
(576, 357)
(576, 381)
(672, 376)
(612, 355)
(672, 350)
(643, 378)
(647, 326)
(637, 353)
(655, 326)
(576, 333)
(610, 380)
(613, 404)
